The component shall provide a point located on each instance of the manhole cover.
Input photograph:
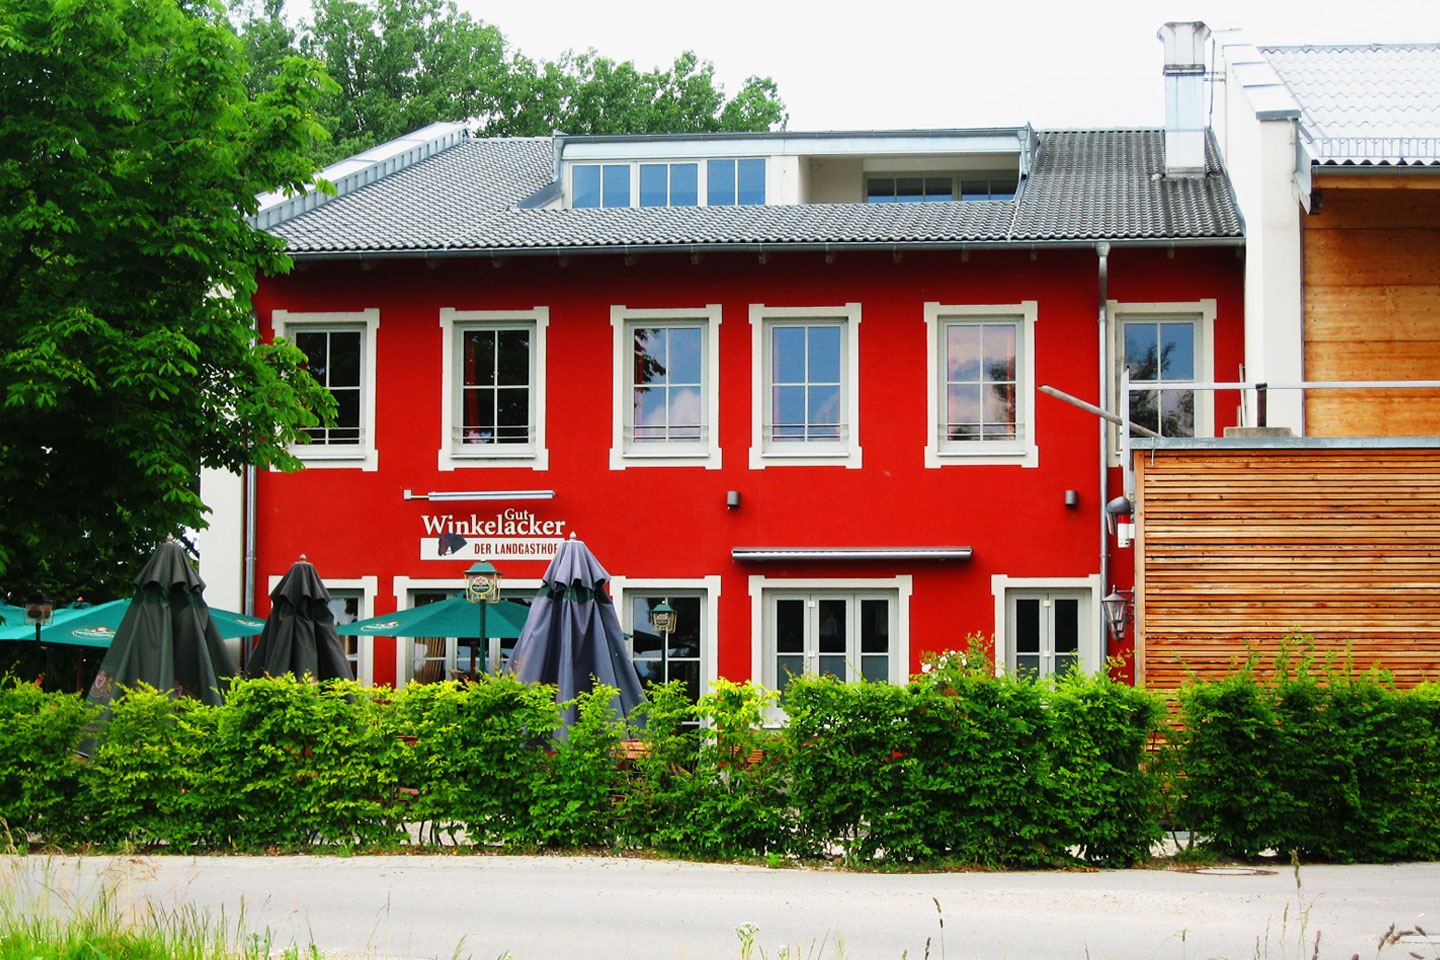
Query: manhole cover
(1235, 872)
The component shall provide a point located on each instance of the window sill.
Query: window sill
(982, 456)
(666, 456)
(464, 458)
(321, 456)
(811, 456)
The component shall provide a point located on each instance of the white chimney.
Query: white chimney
(1184, 98)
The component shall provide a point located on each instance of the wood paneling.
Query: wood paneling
(1372, 309)
(1239, 549)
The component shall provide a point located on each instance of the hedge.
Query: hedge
(957, 766)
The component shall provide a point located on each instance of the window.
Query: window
(600, 185)
(1165, 348)
(668, 390)
(804, 384)
(345, 607)
(852, 629)
(660, 657)
(432, 659)
(721, 183)
(494, 409)
(1162, 353)
(669, 184)
(977, 185)
(981, 384)
(339, 350)
(735, 182)
(1047, 627)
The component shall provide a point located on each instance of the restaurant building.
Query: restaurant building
(787, 383)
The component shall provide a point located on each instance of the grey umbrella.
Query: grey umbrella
(572, 637)
(165, 639)
(299, 635)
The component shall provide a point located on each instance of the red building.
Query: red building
(785, 382)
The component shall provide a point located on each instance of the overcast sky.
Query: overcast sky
(903, 64)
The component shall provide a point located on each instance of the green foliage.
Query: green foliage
(1318, 759)
(475, 760)
(39, 775)
(130, 155)
(294, 763)
(713, 781)
(575, 803)
(402, 64)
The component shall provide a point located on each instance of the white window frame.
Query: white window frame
(625, 453)
(847, 451)
(402, 588)
(1023, 452)
(286, 323)
(1092, 645)
(367, 587)
(708, 589)
(762, 587)
(454, 455)
(1200, 312)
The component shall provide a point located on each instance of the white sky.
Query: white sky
(906, 64)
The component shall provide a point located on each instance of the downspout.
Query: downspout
(1102, 251)
(247, 589)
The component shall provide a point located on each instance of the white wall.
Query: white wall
(222, 544)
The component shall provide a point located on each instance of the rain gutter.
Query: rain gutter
(828, 246)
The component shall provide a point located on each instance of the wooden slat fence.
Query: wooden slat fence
(1246, 546)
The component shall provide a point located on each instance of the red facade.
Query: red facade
(672, 522)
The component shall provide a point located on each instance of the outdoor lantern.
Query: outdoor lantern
(1116, 613)
(482, 583)
(662, 618)
(38, 610)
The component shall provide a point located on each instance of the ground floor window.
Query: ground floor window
(662, 657)
(345, 606)
(1047, 628)
(433, 659)
(849, 635)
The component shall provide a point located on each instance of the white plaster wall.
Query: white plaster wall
(222, 544)
(836, 180)
(784, 181)
(1260, 158)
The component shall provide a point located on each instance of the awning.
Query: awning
(773, 554)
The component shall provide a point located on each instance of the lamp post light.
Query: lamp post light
(663, 618)
(1117, 612)
(482, 586)
(37, 611)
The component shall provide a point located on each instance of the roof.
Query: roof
(1084, 186)
(1370, 104)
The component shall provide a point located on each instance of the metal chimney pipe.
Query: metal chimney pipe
(1184, 97)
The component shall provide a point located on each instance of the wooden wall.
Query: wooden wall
(1372, 304)
(1244, 546)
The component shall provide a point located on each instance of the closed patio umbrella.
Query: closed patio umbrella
(166, 637)
(299, 635)
(573, 637)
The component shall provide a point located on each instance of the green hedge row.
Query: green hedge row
(957, 765)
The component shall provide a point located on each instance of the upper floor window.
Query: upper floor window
(494, 402)
(339, 351)
(669, 184)
(735, 182)
(669, 387)
(1165, 348)
(914, 188)
(716, 183)
(805, 384)
(981, 383)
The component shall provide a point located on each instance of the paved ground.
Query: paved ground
(553, 908)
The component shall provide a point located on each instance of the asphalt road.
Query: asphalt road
(559, 908)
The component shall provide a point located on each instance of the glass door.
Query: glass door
(843, 635)
(1046, 629)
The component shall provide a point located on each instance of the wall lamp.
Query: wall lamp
(439, 495)
(1117, 612)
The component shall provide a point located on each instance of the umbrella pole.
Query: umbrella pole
(484, 642)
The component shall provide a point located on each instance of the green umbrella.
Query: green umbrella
(87, 626)
(456, 617)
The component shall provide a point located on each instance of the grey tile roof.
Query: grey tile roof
(1085, 185)
(1377, 103)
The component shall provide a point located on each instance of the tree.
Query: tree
(131, 153)
(402, 64)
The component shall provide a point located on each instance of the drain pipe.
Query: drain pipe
(1102, 251)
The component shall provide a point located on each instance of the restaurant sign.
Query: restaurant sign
(513, 534)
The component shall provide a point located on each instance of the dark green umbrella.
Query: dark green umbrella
(456, 617)
(299, 635)
(167, 637)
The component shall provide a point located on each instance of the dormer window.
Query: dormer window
(976, 185)
(714, 183)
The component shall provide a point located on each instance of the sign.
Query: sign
(513, 534)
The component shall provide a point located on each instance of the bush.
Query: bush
(39, 774)
(1318, 759)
